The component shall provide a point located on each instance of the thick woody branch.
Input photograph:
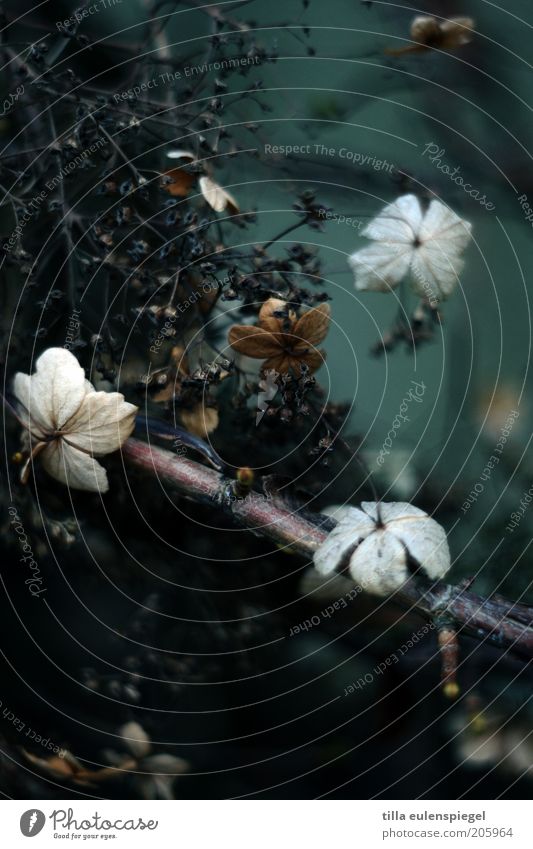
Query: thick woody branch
(497, 620)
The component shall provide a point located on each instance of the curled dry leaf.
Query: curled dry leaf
(218, 198)
(68, 423)
(283, 340)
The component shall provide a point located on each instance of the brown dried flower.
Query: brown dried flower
(284, 341)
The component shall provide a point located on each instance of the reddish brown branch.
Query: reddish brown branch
(495, 619)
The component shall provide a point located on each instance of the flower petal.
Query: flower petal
(379, 564)
(280, 363)
(390, 510)
(73, 467)
(426, 541)
(399, 222)
(313, 325)
(313, 359)
(33, 423)
(435, 274)
(379, 268)
(442, 225)
(353, 527)
(253, 341)
(217, 197)
(267, 319)
(54, 392)
(102, 423)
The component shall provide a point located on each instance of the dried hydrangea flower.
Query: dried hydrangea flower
(201, 420)
(68, 422)
(284, 341)
(381, 543)
(427, 244)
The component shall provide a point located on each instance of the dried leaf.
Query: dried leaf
(430, 32)
(181, 154)
(217, 197)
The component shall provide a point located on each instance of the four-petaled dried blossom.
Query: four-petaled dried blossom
(284, 341)
(381, 545)
(406, 239)
(68, 422)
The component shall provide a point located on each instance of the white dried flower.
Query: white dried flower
(378, 543)
(68, 422)
(428, 245)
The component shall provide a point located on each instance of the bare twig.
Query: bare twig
(491, 619)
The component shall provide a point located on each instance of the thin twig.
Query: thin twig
(484, 618)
